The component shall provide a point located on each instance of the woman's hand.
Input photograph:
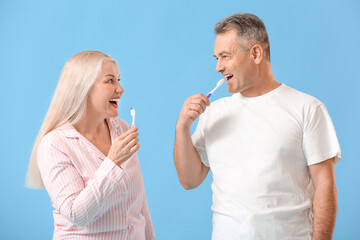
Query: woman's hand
(124, 146)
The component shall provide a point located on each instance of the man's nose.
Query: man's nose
(219, 66)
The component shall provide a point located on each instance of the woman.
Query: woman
(86, 158)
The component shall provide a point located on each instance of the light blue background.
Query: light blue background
(164, 50)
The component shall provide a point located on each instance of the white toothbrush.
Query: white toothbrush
(132, 112)
(221, 81)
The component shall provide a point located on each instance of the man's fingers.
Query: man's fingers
(197, 107)
(205, 99)
(192, 108)
(200, 98)
(203, 105)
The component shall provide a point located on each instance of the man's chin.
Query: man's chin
(231, 90)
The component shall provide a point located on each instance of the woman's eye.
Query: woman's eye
(110, 80)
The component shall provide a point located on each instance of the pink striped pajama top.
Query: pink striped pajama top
(92, 197)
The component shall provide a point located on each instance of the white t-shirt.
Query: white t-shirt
(258, 150)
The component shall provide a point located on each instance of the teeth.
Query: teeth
(227, 76)
(114, 100)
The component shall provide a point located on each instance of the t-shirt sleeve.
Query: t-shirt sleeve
(198, 140)
(319, 137)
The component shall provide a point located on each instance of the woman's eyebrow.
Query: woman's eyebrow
(111, 75)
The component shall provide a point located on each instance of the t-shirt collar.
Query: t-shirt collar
(272, 92)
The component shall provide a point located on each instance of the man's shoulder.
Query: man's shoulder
(297, 97)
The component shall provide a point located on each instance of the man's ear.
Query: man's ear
(257, 53)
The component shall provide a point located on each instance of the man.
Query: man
(271, 148)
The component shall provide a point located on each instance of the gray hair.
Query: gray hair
(248, 27)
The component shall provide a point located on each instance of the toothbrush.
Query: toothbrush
(132, 112)
(221, 81)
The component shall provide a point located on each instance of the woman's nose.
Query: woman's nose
(119, 88)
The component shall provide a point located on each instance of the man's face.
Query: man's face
(233, 62)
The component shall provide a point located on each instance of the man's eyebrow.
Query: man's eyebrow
(222, 53)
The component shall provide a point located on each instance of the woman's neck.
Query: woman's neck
(90, 127)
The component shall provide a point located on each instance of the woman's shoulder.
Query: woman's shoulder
(57, 137)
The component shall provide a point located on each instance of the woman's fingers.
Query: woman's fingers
(124, 146)
(128, 132)
(128, 138)
(131, 144)
(134, 149)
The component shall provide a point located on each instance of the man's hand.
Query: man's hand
(191, 110)
(190, 169)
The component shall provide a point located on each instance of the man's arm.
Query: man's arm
(191, 171)
(325, 199)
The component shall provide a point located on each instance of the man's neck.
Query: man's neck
(263, 83)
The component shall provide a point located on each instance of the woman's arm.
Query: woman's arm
(78, 203)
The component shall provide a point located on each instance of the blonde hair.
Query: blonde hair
(69, 102)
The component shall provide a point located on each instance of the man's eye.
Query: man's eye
(110, 80)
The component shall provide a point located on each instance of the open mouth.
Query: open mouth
(228, 77)
(114, 102)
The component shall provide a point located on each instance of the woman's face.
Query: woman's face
(106, 92)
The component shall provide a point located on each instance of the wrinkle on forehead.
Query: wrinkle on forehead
(228, 49)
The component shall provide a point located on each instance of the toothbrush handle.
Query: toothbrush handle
(209, 95)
